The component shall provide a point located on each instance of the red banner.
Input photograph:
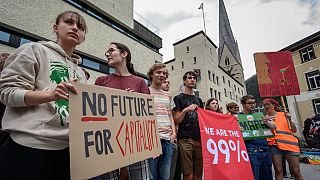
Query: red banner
(223, 150)
(276, 74)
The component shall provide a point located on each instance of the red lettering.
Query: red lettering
(142, 134)
(132, 131)
(117, 137)
(127, 141)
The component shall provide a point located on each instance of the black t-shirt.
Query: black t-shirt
(189, 127)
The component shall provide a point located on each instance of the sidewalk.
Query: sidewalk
(309, 171)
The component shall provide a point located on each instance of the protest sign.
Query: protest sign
(276, 74)
(223, 150)
(253, 127)
(110, 129)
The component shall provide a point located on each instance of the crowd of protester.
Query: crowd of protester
(34, 92)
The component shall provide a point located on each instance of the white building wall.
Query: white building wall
(207, 60)
(38, 16)
(121, 10)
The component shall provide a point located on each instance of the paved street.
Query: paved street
(309, 172)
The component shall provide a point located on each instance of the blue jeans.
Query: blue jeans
(160, 166)
(261, 163)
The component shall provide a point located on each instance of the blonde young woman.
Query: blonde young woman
(284, 143)
(34, 86)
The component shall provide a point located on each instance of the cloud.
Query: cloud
(165, 21)
(313, 7)
(314, 15)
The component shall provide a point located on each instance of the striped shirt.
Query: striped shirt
(163, 105)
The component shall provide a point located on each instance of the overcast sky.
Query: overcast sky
(257, 25)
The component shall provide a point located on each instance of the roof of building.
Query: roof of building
(235, 79)
(225, 34)
(193, 35)
(303, 42)
(167, 62)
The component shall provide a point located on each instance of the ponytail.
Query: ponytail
(131, 69)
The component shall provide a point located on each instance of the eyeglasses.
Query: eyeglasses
(110, 51)
(251, 103)
(235, 107)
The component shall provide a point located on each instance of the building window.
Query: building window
(211, 92)
(316, 106)
(235, 88)
(223, 80)
(198, 72)
(187, 49)
(227, 61)
(172, 68)
(24, 41)
(182, 64)
(194, 60)
(242, 92)
(307, 54)
(4, 36)
(230, 94)
(15, 40)
(90, 64)
(209, 74)
(229, 83)
(217, 80)
(238, 90)
(313, 80)
(219, 96)
(213, 77)
(210, 51)
(225, 92)
(215, 94)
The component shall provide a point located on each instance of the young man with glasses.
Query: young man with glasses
(185, 115)
(232, 108)
(258, 149)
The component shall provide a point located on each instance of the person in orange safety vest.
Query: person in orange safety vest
(283, 143)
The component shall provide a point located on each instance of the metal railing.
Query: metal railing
(146, 23)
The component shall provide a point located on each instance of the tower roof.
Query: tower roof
(226, 37)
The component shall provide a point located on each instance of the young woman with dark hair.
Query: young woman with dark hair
(119, 57)
(212, 104)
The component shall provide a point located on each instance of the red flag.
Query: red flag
(276, 74)
(223, 150)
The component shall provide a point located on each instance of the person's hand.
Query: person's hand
(173, 138)
(264, 119)
(153, 157)
(191, 107)
(288, 115)
(62, 91)
(130, 90)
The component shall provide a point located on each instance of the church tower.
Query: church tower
(228, 51)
